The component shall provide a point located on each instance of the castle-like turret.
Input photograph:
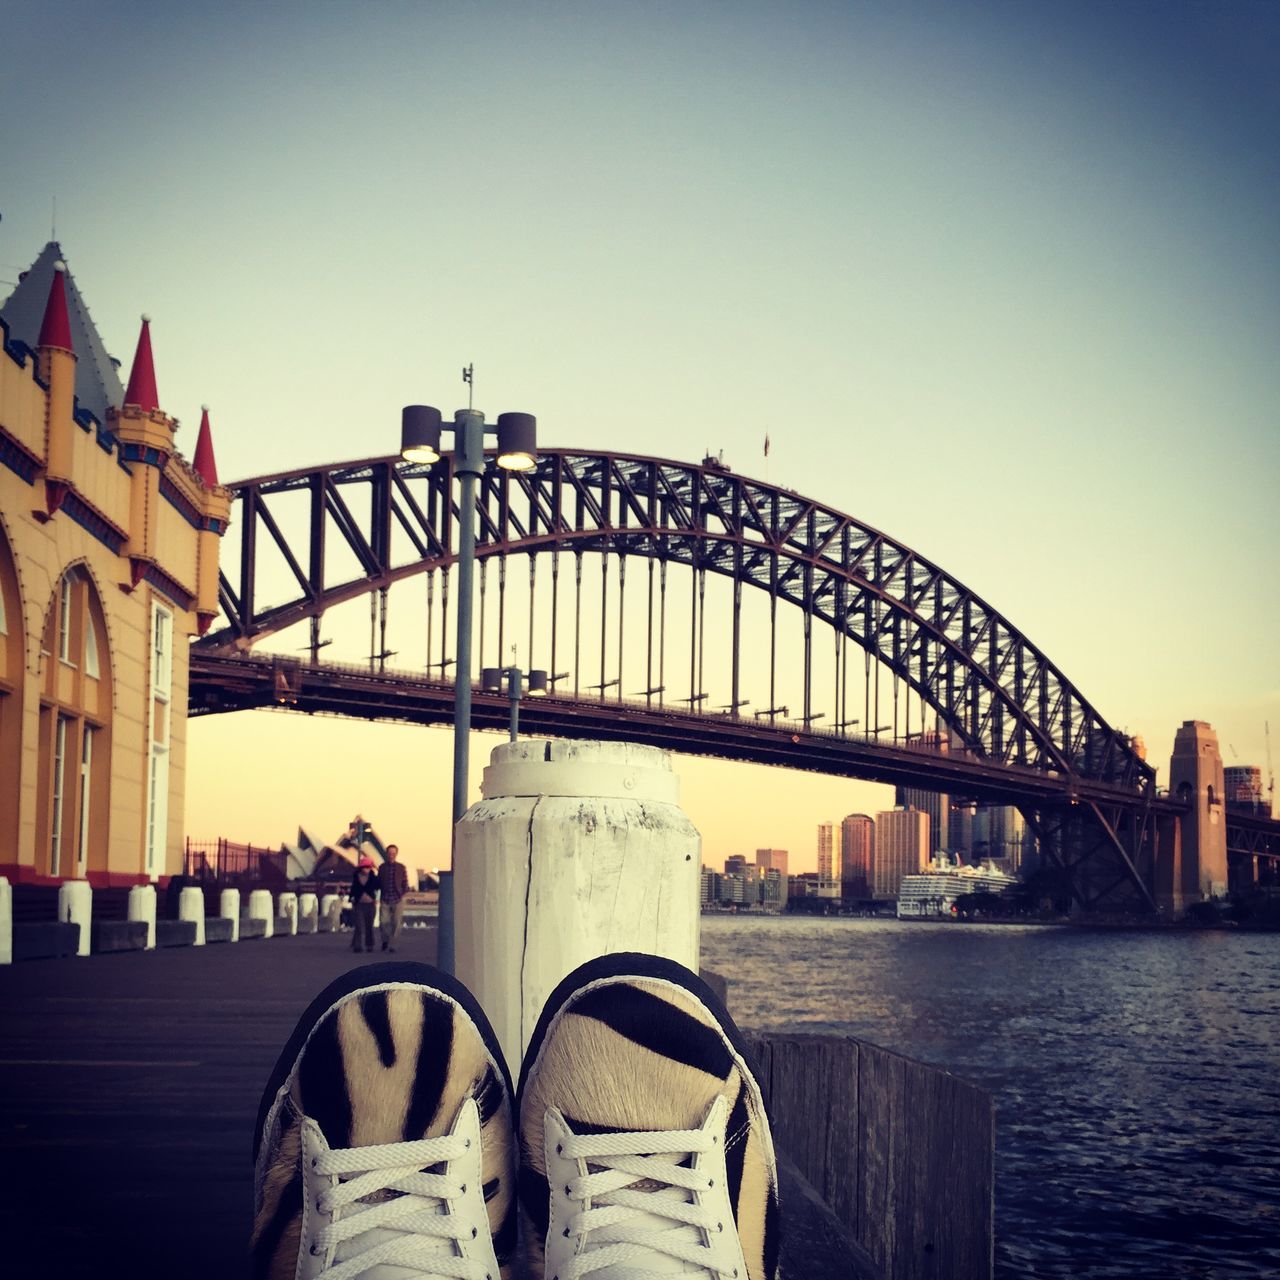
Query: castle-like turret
(57, 364)
(145, 433)
(215, 508)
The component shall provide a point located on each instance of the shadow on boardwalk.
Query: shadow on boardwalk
(128, 1089)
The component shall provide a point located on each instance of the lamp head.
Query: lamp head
(491, 679)
(537, 684)
(517, 441)
(420, 433)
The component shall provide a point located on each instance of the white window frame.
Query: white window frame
(158, 765)
(64, 619)
(59, 791)
(86, 777)
(91, 666)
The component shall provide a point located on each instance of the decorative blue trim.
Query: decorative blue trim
(162, 582)
(91, 522)
(149, 457)
(18, 461)
(180, 503)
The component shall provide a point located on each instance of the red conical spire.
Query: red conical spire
(56, 329)
(142, 377)
(205, 467)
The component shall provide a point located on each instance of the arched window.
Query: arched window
(12, 670)
(74, 775)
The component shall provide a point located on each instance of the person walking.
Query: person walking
(393, 881)
(363, 895)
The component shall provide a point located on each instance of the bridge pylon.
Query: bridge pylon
(1199, 871)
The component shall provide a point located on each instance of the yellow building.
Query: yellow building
(108, 565)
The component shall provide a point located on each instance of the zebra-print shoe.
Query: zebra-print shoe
(384, 1146)
(644, 1142)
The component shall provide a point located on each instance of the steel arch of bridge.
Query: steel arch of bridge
(985, 680)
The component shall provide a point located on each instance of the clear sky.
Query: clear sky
(999, 279)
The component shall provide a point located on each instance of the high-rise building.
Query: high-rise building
(857, 855)
(902, 848)
(960, 828)
(776, 860)
(735, 864)
(937, 806)
(828, 882)
(1243, 785)
(775, 889)
(1001, 835)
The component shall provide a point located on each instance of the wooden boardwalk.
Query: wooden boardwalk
(129, 1086)
(128, 1089)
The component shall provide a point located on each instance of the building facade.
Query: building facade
(109, 545)
(857, 855)
(828, 872)
(775, 860)
(902, 848)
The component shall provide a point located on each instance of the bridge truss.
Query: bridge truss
(991, 694)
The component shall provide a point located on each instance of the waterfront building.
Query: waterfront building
(709, 891)
(774, 886)
(857, 855)
(775, 859)
(828, 881)
(109, 542)
(1242, 784)
(960, 826)
(902, 848)
(736, 864)
(937, 806)
(803, 885)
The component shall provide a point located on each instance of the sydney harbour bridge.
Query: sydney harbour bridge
(850, 654)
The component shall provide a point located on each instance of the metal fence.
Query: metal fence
(226, 863)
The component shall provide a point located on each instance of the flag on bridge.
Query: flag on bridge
(766, 444)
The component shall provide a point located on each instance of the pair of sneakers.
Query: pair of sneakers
(389, 1136)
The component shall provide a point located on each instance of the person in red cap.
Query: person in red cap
(363, 896)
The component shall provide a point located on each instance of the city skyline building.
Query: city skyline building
(902, 848)
(857, 855)
(828, 884)
(937, 806)
(775, 860)
(1242, 785)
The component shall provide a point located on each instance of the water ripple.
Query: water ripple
(1136, 1074)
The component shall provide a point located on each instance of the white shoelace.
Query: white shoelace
(427, 1234)
(626, 1226)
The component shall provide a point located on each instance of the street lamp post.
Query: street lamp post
(420, 429)
(491, 680)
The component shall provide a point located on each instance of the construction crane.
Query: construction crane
(1271, 774)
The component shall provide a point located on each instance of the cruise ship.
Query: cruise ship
(933, 893)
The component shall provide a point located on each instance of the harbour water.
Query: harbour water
(1136, 1073)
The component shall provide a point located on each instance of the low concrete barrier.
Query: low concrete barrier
(75, 904)
(229, 908)
(191, 907)
(118, 935)
(261, 908)
(220, 929)
(253, 927)
(6, 921)
(175, 933)
(287, 910)
(142, 907)
(45, 939)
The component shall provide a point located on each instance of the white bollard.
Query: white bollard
(75, 903)
(262, 908)
(331, 908)
(577, 849)
(288, 909)
(191, 907)
(142, 906)
(229, 908)
(308, 905)
(6, 921)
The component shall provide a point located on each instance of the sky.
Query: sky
(998, 279)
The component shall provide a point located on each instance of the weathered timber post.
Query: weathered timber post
(576, 850)
(903, 1152)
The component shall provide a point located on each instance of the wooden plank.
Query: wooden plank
(927, 1138)
(903, 1152)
